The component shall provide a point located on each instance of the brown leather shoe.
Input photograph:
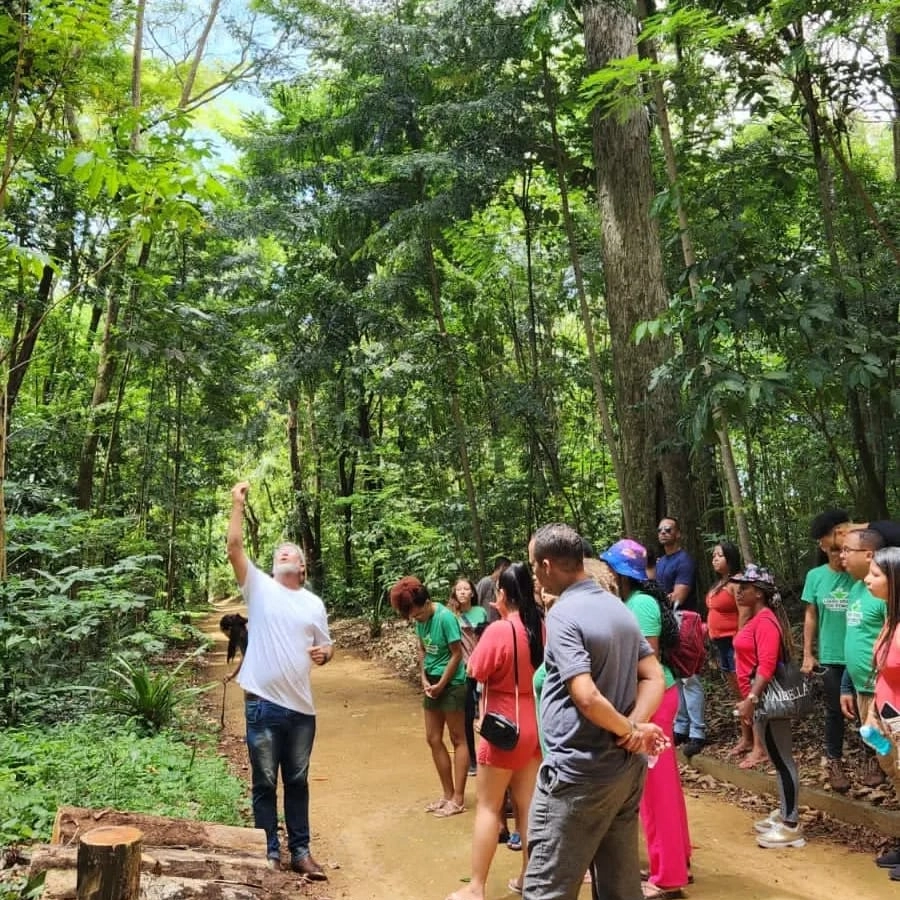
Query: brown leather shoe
(307, 866)
(872, 776)
(837, 778)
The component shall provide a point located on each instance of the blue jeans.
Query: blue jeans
(575, 826)
(691, 706)
(279, 737)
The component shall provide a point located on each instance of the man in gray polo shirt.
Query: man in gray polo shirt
(603, 684)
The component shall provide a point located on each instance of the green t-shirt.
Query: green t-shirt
(829, 591)
(436, 635)
(475, 616)
(540, 674)
(646, 610)
(865, 618)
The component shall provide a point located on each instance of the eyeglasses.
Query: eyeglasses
(853, 550)
(666, 529)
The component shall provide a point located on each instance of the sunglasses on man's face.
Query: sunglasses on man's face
(666, 529)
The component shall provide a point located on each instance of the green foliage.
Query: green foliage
(386, 269)
(29, 887)
(99, 763)
(148, 698)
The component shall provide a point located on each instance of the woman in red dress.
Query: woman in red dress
(518, 636)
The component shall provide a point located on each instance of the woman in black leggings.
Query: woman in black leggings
(760, 647)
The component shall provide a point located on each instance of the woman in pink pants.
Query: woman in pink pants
(663, 812)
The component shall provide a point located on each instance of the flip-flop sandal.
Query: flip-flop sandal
(435, 805)
(652, 891)
(448, 809)
(645, 876)
(514, 886)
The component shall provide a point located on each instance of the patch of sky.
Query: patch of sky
(245, 52)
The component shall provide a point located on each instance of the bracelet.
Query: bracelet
(630, 733)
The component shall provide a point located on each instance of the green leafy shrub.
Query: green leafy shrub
(99, 762)
(149, 698)
(28, 888)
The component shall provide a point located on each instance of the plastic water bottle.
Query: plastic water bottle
(876, 740)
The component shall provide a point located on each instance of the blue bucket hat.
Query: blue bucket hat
(627, 557)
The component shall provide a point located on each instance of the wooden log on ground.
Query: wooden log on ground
(60, 884)
(175, 862)
(109, 864)
(159, 831)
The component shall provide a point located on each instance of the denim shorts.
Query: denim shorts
(452, 699)
(725, 652)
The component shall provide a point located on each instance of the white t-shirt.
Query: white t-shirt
(283, 625)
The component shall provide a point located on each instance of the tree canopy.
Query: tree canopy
(466, 268)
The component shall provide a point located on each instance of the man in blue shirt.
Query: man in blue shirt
(676, 572)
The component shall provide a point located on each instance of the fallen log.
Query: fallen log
(159, 831)
(61, 884)
(172, 861)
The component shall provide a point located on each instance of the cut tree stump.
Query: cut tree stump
(109, 863)
(179, 859)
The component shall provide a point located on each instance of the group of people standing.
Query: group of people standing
(573, 664)
(568, 654)
(591, 758)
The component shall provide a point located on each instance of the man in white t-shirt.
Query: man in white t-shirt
(288, 629)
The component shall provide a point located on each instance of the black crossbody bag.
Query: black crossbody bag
(497, 729)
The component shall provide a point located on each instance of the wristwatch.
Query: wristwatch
(753, 698)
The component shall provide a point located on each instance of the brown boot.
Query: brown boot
(837, 777)
(871, 774)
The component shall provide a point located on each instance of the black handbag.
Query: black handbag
(495, 728)
(789, 694)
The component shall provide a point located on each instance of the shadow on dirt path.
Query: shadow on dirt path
(371, 776)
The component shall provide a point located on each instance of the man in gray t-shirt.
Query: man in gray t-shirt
(486, 589)
(603, 684)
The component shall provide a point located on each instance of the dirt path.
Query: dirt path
(371, 776)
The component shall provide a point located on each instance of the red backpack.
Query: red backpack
(688, 656)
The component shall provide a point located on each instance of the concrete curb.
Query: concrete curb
(845, 809)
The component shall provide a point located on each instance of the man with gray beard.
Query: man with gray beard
(288, 629)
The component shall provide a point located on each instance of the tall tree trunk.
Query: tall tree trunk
(22, 349)
(606, 427)
(137, 65)
(872, 491)
(106, 371)
(176, 456)
(3, 420)
(656, 465)
(13, 107)
(720, 421)
(109, 349)
(893, 45)
(113, 434)
(300, 507)
(452, 373)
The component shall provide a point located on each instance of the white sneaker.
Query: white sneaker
(764, 825)
(781, 835)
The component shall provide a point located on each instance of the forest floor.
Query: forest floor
(371, 777)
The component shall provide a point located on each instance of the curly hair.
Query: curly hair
(407, 593)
